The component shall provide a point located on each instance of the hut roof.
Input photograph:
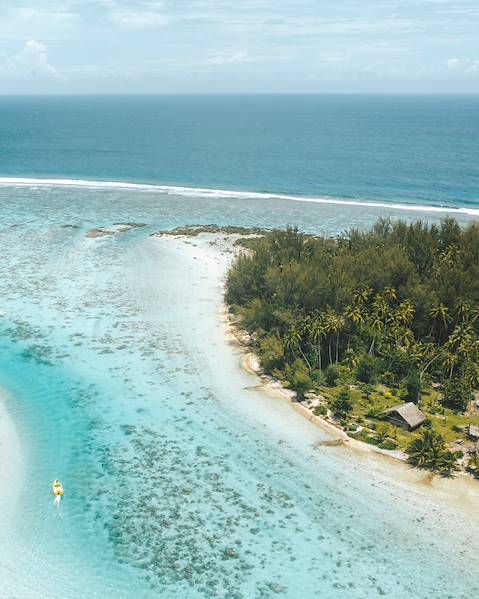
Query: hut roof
(409, 412)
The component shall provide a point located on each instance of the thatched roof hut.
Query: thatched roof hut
(407, 416)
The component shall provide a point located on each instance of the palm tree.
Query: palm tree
(474, 314)
(390, 293)
(355, 314)
(298, 334)
(461, 346)
(473, 464)
(429, 451)
(292, 340)
(463, 311)
(407, 338)
(318, 331)
(376, 324)
(446, 462)
(405, 312)
(339, 323)
(439, 313)
(362, 295)
(450, 361)
(471, 373)
(382, 309)
(419, 449)
(428, 353)
(330, 327)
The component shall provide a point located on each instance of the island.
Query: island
(375, 332)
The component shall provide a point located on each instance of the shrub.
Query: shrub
(366, 369)
(317, 377)
(331, 375)
(388, 378)
(383, 431)
(473, 464)
(298, 378)
(457, 394)
(375, 411)
(271, 350)
(400, 364)
(321, 410)
(368, 391)
(388, 444)
(429, 451)
(342, 406)
(412, 387)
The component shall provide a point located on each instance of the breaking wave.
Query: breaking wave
(223, 193)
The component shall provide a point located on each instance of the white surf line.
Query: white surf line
(223, 193)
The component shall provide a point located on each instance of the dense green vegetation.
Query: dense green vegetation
(429, 450)
(394, 310)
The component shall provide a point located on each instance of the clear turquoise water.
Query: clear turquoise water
(122, 384)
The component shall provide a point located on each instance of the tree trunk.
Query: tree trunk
(318, 351)
(305, 358)
(423, 372)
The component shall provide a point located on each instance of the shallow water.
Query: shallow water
(181, 478)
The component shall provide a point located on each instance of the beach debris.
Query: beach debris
(330, 443)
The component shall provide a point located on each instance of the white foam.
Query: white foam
(223, 193)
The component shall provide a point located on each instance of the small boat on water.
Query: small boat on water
(57, 488)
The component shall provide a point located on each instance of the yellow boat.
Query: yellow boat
(57, 488)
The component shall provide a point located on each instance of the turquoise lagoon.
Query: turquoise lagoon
(182, 478)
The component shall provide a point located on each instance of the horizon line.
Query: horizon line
(211, 94)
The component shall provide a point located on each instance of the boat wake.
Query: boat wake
(233, 194)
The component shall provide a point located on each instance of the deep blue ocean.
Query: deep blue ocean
(414, 149)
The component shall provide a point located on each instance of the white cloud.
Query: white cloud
(31, 61)
(139, 20)
(463, 65)
(148, 13)
(236, 58)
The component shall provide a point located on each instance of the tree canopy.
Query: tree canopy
(397, 304)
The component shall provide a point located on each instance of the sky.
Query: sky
(239, 46)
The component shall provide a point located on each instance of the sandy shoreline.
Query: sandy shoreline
(250, 363)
